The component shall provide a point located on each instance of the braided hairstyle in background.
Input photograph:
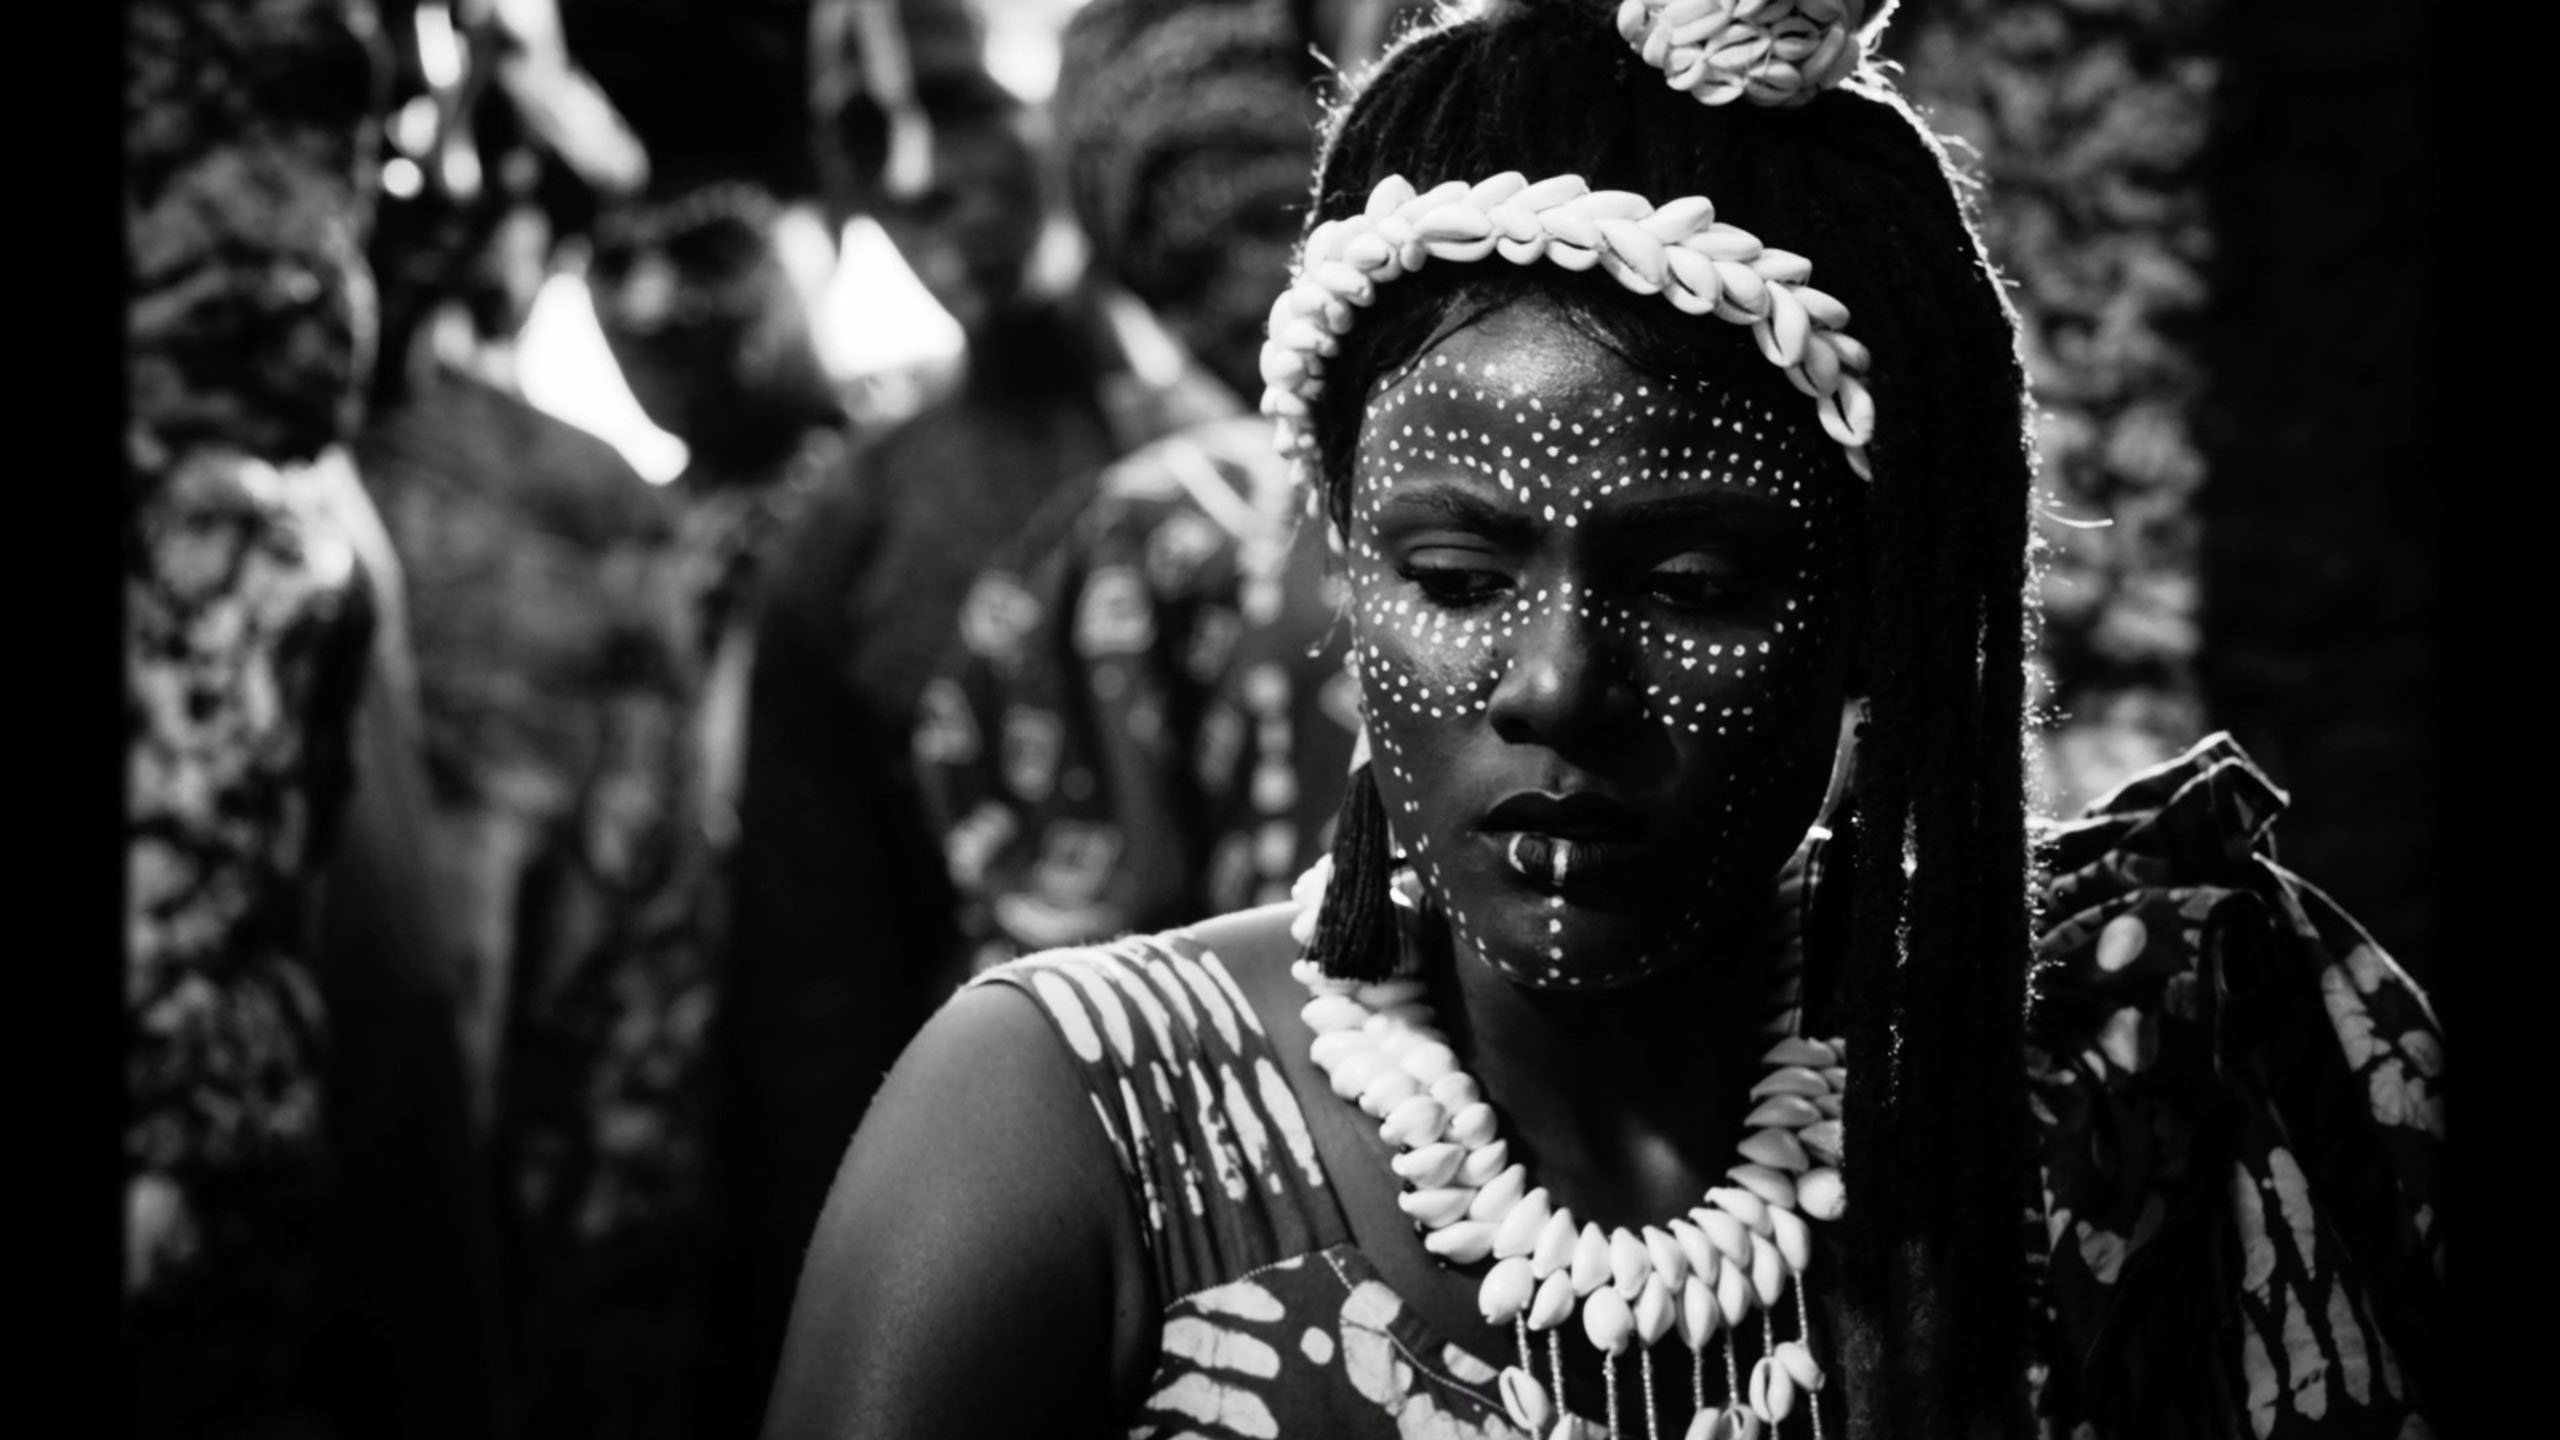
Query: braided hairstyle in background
(1187, 128)
(1927, 978)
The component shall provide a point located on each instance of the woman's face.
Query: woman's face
(1602, 628)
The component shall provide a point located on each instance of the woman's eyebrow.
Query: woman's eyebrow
(1457, 502)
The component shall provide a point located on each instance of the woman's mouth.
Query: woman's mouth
(1556, 863)
(1565, 842)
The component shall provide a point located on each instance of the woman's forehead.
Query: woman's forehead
(1552, 416)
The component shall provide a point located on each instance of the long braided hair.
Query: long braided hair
(1927, 979)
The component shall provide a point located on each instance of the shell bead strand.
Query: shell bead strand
(1769, 52)
(1677, 250)
(1741, 1250)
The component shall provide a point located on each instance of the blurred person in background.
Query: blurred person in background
(300, 1255)
(862, 601)
(559, 680)
(1147, 720)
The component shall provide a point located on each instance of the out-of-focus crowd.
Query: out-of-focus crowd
(533, 869)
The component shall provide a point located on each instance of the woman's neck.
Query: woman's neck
(1625, 1103)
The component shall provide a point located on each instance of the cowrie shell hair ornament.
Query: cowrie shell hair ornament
(1769, 52)
(1677, 250)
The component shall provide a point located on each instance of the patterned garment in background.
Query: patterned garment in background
(2238, 1118)
(248, 621)
(559, 672)
(247, 624)
(1147, 721)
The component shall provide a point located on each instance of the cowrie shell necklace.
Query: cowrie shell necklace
(1703, 1274)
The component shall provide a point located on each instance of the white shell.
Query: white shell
(1553, 1302)
(1794, 1241)
(1792, 1111)
(1797, 1358)
(1773, 1390)
(1518, 1232)
(1437, 1206)
(1353, 1074)
(1327, 1013)
(1525, 1400)
(1590, 1260)
(1418, 1121)
(1698, 1314)
(1741, 1204)
(1608, 1321)
(1464, 1242)
(1473, 1125)
(1331, 1049)
(1798, 1050)
(1457, 1090)
(1695, 1248)
(1483, 1163)
(1629, 1264)
(1494, 1202)
(1655, 1309)
(1775, 1148)
(1669, 1261)
(1553, 1254)
(1506, 1290)
(1727, 1234)
(1790, 1080)
(1821, 1194)
(1389, 1089)
(1776, 1187)
(1768, 1271)
(1821, 1140)
(1733, 1294)
(1429, 1061)
(1429, 1166)
(1704, 1426)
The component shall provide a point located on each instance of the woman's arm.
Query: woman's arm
(978, 1268)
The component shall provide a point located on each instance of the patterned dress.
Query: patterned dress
(2239, 1129)
(1148, 720)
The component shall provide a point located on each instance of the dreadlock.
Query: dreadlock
(1929, 985)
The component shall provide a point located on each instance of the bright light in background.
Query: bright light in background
(1022, 44)
(875, 316)
(567, 371)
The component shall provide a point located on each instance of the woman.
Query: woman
(1632, 518)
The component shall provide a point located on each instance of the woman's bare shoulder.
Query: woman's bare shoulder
(978, 1226)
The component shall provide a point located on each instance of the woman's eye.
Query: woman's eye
(1450, 580)
(1692, 582)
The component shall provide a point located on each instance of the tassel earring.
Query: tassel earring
(1355, 935)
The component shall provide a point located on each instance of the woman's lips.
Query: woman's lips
(1564, 842)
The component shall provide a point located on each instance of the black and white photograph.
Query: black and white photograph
(1284, 719)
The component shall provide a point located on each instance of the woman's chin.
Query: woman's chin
(1577, 950)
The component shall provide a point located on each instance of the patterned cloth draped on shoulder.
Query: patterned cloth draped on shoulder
(2241, 1099)
(2238, 1117)
(1147, 720)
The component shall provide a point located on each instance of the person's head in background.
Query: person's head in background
(914, 131)
(711, 332)
(1187, 132)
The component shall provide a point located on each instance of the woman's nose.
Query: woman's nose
(1560, 687)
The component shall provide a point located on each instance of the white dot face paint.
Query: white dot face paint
(1600, 622)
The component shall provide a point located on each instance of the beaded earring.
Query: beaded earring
(1355, 935)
